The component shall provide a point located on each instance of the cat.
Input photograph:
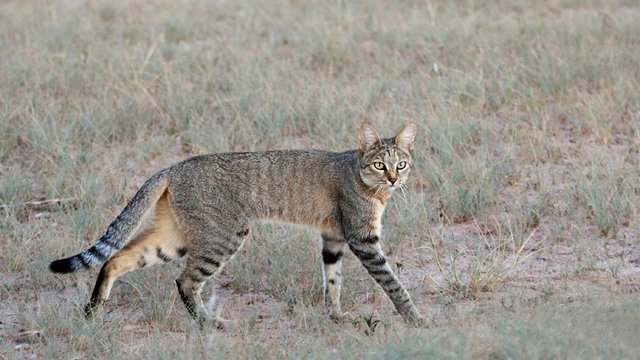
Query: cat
(203, 208)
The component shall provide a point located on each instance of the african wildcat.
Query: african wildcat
(204, 206)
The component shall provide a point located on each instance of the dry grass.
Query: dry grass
(521, 222)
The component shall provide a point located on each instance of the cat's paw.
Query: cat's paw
(221, 323)
(93, 309)
(417, 322)
(217, 323)
(344, 317)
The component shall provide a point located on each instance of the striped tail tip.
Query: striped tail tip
(84, 260)
(62, 266)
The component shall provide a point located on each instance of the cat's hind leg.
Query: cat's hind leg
(160, 243)
(207, 255)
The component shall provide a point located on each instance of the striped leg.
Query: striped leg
(332, 251)
(204, 261)
(159, 244)
(370, 253)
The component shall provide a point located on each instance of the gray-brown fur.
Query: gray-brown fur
(205, 206)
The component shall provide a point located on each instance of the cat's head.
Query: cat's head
(385, 163)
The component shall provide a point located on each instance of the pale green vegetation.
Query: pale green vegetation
(518, 234)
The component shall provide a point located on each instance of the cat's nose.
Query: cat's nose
(393, 180)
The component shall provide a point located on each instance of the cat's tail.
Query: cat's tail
(120, 231)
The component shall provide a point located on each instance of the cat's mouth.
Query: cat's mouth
(391, 186)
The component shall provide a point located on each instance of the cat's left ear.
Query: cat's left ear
(404, 139)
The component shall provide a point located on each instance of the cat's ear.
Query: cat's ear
(368, 137)
(404, 139)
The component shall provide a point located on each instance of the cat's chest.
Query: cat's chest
(375, 223)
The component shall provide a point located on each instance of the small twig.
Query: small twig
(45, 204)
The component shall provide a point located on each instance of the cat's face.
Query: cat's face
(385, 163)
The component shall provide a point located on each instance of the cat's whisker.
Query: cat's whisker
(403, 191)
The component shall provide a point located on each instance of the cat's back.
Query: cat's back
(249, 164)
(271, 180)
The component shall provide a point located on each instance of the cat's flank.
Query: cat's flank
(203, 208)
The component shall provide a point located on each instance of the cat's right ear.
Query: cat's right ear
(405, 138)
(368, 137)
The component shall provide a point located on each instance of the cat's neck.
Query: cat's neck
(379, 195)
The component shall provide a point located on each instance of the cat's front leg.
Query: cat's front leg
(332, 252)
(370, 253)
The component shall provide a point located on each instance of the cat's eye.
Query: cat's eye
(401, 165)
(378, 165)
